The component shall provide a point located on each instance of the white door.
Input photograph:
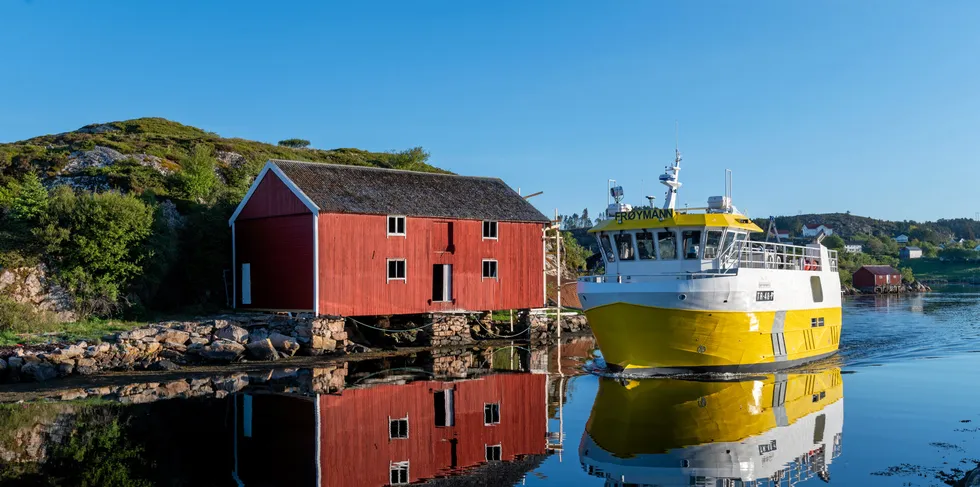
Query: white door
(246, 283)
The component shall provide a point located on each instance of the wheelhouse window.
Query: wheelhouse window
(645, 248)
(490, 230)
(607, 248)
(398, 428)
(624, 246)
(712, 244)
(489, 269)
(667, 243)
(729, 239)
(692, 243)
(491, 413)
(396, 269)
(396, 226)
(398, 473)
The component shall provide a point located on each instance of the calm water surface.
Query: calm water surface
(898, 406)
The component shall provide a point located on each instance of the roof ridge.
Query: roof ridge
(373, 168)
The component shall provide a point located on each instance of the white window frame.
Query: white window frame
(408, 475)
(500, 448)
(496, 268)
(485, 423)
(407, 426)
(495, 225)
(404, 221)
(388, 270)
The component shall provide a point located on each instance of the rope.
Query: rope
(388, 331)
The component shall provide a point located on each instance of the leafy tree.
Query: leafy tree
(96, 243)
(574, 254)
(834, 242)
(197, 179)
(585, 222)
(295, 143)
(413, 159)
(31, 200)
(907, 276)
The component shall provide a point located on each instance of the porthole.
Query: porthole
(682, 297)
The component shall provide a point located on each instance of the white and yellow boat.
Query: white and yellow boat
(764, 431)
(689, 290)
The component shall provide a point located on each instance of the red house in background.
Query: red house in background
(876, 278)
(361, 241)
(389, 434)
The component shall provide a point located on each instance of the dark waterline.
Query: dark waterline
(516, 415)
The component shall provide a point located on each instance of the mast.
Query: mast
(670, 178)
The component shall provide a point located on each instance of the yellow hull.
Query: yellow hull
(687, 413)
(634, 336)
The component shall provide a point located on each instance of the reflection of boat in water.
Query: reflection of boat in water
(772, 430)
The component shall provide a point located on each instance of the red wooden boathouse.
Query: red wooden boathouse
(362, 241)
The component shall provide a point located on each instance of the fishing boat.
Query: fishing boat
(693, 290)
(774, 430)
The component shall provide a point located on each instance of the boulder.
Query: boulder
(283, 343)
(139, 333)
(173, 337)
(258, 334)
(39, 371)
(234, 333)
(261, 350)
(164, 365)
(222, 351)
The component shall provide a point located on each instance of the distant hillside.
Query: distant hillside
(155, 148)
(848, 226)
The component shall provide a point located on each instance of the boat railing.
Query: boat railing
(772, 255)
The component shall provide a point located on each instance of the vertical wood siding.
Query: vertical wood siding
(280, 251)
(353, 265)
(272, 198)
(355, 445)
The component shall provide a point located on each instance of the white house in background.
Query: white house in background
(782, 234)
(977, 248)
(902, 239)
(853, 248)
(812, 230)
(910, 253)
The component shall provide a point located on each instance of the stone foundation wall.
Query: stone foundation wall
(449, 330)
(452, 363)
(168, 345)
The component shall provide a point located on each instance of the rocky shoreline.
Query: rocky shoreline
(171, 345)
(908, 287)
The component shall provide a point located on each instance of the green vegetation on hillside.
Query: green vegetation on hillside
(141, 227)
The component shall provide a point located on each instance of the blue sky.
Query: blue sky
(868, 106)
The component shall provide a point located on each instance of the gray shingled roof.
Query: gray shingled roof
(367, 190)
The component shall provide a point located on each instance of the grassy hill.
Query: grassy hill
(130, 217)
(849, 226)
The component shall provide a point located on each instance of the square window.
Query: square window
(396, 225)
(489, 269)
(489, 229)
(493, 453)
(396, 269)
(399, 473)
(491, 413)
(398, 428)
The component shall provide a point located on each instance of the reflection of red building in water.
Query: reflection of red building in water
(389, 434)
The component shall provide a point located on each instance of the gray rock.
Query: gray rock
(163, 365)
(258, 334)
(66, 369)
(261, 350)
(39, 371)
(223, 351)
(283, 343)
(233, 383)
(199, 341)
(73, 351)
(234, 333)
(138, 334)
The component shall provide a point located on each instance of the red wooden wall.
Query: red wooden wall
(274, 233)
(353, 265)
(356, 450)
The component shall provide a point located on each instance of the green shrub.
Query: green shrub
(21, 318)
(197, 180)
(295, 143)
